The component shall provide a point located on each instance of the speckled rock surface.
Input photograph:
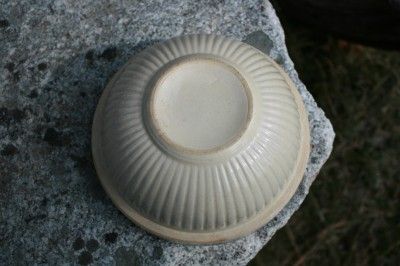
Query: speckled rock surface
(56, 57)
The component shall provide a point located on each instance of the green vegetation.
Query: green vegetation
(352, 213)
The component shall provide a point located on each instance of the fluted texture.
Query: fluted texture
(199, 196)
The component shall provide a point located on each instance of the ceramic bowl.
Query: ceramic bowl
(200, 139)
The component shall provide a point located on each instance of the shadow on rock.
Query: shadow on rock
(68, 102)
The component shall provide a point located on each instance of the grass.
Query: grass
(352, 213)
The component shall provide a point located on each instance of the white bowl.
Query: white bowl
(200, 139)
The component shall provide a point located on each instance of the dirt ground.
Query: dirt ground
(352, 213)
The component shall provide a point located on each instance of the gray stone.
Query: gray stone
(56, 57)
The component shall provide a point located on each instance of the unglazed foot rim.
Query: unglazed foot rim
(208, 82)
(213, 185)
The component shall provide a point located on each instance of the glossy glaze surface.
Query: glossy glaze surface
(200, 139)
